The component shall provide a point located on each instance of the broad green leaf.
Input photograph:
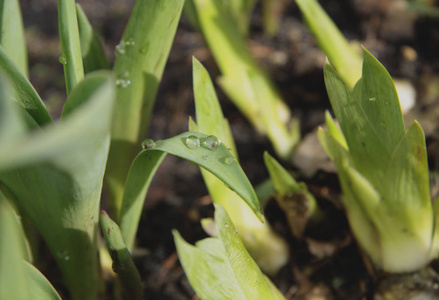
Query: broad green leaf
(82, 92)
(93, 54)
(12, 274)
(12, 34)
(22, 90)
(38, 285)
(380, 103)
(71, 57)
(139, 178)
(363, 228)
(221, 268)
(123, 263)
(242, 80)
(18, 278)
(265, 246)
(407, 192)
(55, 178)
(141, 57)
(366, 148)
(341, 55)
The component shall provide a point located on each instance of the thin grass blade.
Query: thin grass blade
(123, 263)
(265, 246)
(12, 34)
(344, 58)
(22, 90)
(93, 54)
(71, 57)
(141, 57)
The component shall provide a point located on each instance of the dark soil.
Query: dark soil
(326, 263)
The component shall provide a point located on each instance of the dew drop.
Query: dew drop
(227, 225)
(145, 48)
(205, 157)
(372, 99)
(130, 42)
(230, 150)
(122, 80)
(212, 142)
(229, 160)
(63, 59)
(148, 144)
(63, 255)
(192, 142)
(120, 48)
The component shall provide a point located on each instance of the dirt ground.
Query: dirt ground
(325, 264)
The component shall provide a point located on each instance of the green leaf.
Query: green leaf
(366, 148)
(55, 177)
(380, 103)
(334, 130)
(266, 247)
(210, 118)
(38, 285)
(12, 126)
(71, 57)
(341, 55)
(221, 268)
(146, 163)
(141, 58)
(246, 85)
(12, 274)
(219, 161)
(123, 263)
(139, 178)
(93, 54)
(12, 34)
(407, 193)
(293, 197)
(22, 90)
(18, 278)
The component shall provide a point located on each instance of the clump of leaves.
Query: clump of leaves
(383, 170)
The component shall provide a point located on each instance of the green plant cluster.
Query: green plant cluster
(52, 173)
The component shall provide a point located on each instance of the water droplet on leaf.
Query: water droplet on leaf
(122, 80)
(205, 157)
(192, 142)
(144, 48)
(212, 142)
(148, 144)
(130, 42)
(227, 225)
(63, 255)
(372, 99)
(120, 48)
(229, 160)
(63, 59)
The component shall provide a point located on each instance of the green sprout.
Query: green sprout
(243, 81)
(221, 267)
(382, 168)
